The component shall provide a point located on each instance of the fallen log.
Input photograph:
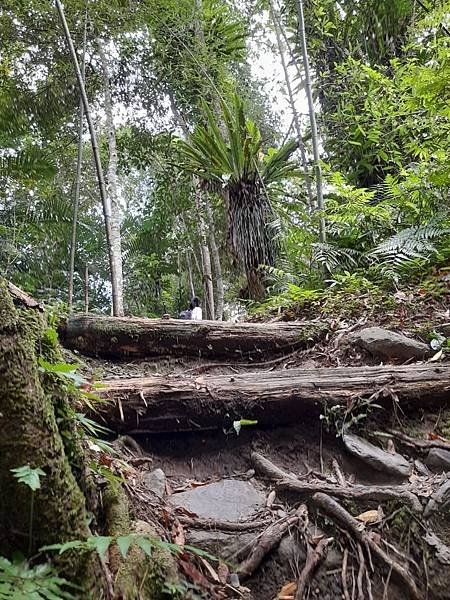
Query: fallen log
(136, 337)
(177, 403)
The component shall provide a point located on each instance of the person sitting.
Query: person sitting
(196, 313)
(187, 314)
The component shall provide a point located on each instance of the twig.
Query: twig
(420, 444)
(344, 575)
(338, 472)
(362, 567)
(248, 365)
(313, 557)
(335, 510)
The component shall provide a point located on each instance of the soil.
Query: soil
(305, 448)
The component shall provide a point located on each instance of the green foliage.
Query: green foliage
(20, 581)
(29, 476)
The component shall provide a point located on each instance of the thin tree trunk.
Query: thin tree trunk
(301, 145)
(112, 187)
(189, 269)
(86, 289)
(312, 117)
(206, 256)
(216, 260)
(76, 199)
(98, 165)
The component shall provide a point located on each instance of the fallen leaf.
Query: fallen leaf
(210, 569)
(184, 511)
(223, 571)
(287, 591)
(370, 516)
(194, 574)
(178, 536)
(391, 446)
(270, 499)
(437, 356)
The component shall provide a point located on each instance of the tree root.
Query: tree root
(268, 540)
(354, 492)
(333, 509)
(313, 558)
(199, 523)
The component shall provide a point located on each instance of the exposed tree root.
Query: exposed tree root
(333, 509)
(268, 540)
(313, 557)
(354, 492)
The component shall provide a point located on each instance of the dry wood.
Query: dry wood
(354, 492)
(334, 510)
(268, 540)
(266, 467)
(177, 403)
(22, 297)
(313, 558)
(129, 337)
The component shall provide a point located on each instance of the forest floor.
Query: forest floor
(207, 489)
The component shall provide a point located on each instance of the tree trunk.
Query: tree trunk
(30, 435)
(76, 199)
(298, 130)
(86, 289)
(206, 256)
(312, 118)
(98, 165)
(105, 336)
(216, 260)
(113, 187)
(157, 404)
(189, 270)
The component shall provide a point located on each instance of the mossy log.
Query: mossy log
(177, 403)
(137, 337)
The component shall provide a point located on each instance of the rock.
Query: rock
(233, 546)
(394, 464)
(155, 481)
(438, 458)
(390, 345)
(291, 551)
(439, 501)
(226, 500)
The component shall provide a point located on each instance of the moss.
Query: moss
(136, 576)
(29, 434)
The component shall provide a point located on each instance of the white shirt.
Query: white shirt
(196, 314)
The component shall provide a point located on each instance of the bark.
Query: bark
(296, 118)
(30, 435)
(216, 260)
(76, 199)
(312, 118)
(313, 558)
(86, 289)
(282, 397)
(98, 165)
(113, 186)
(122, 337)
(206, 256)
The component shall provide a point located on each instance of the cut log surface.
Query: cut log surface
(138, 337)
(177, 403)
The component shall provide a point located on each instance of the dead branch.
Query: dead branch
(354, 492)
(333, 509)
(268, 540)
(313, 558)
(419, 444)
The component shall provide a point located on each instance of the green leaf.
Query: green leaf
(56, 367)
(71, 545)
(29, 476)
(145, 545)
(100, 543)
(124, 542)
